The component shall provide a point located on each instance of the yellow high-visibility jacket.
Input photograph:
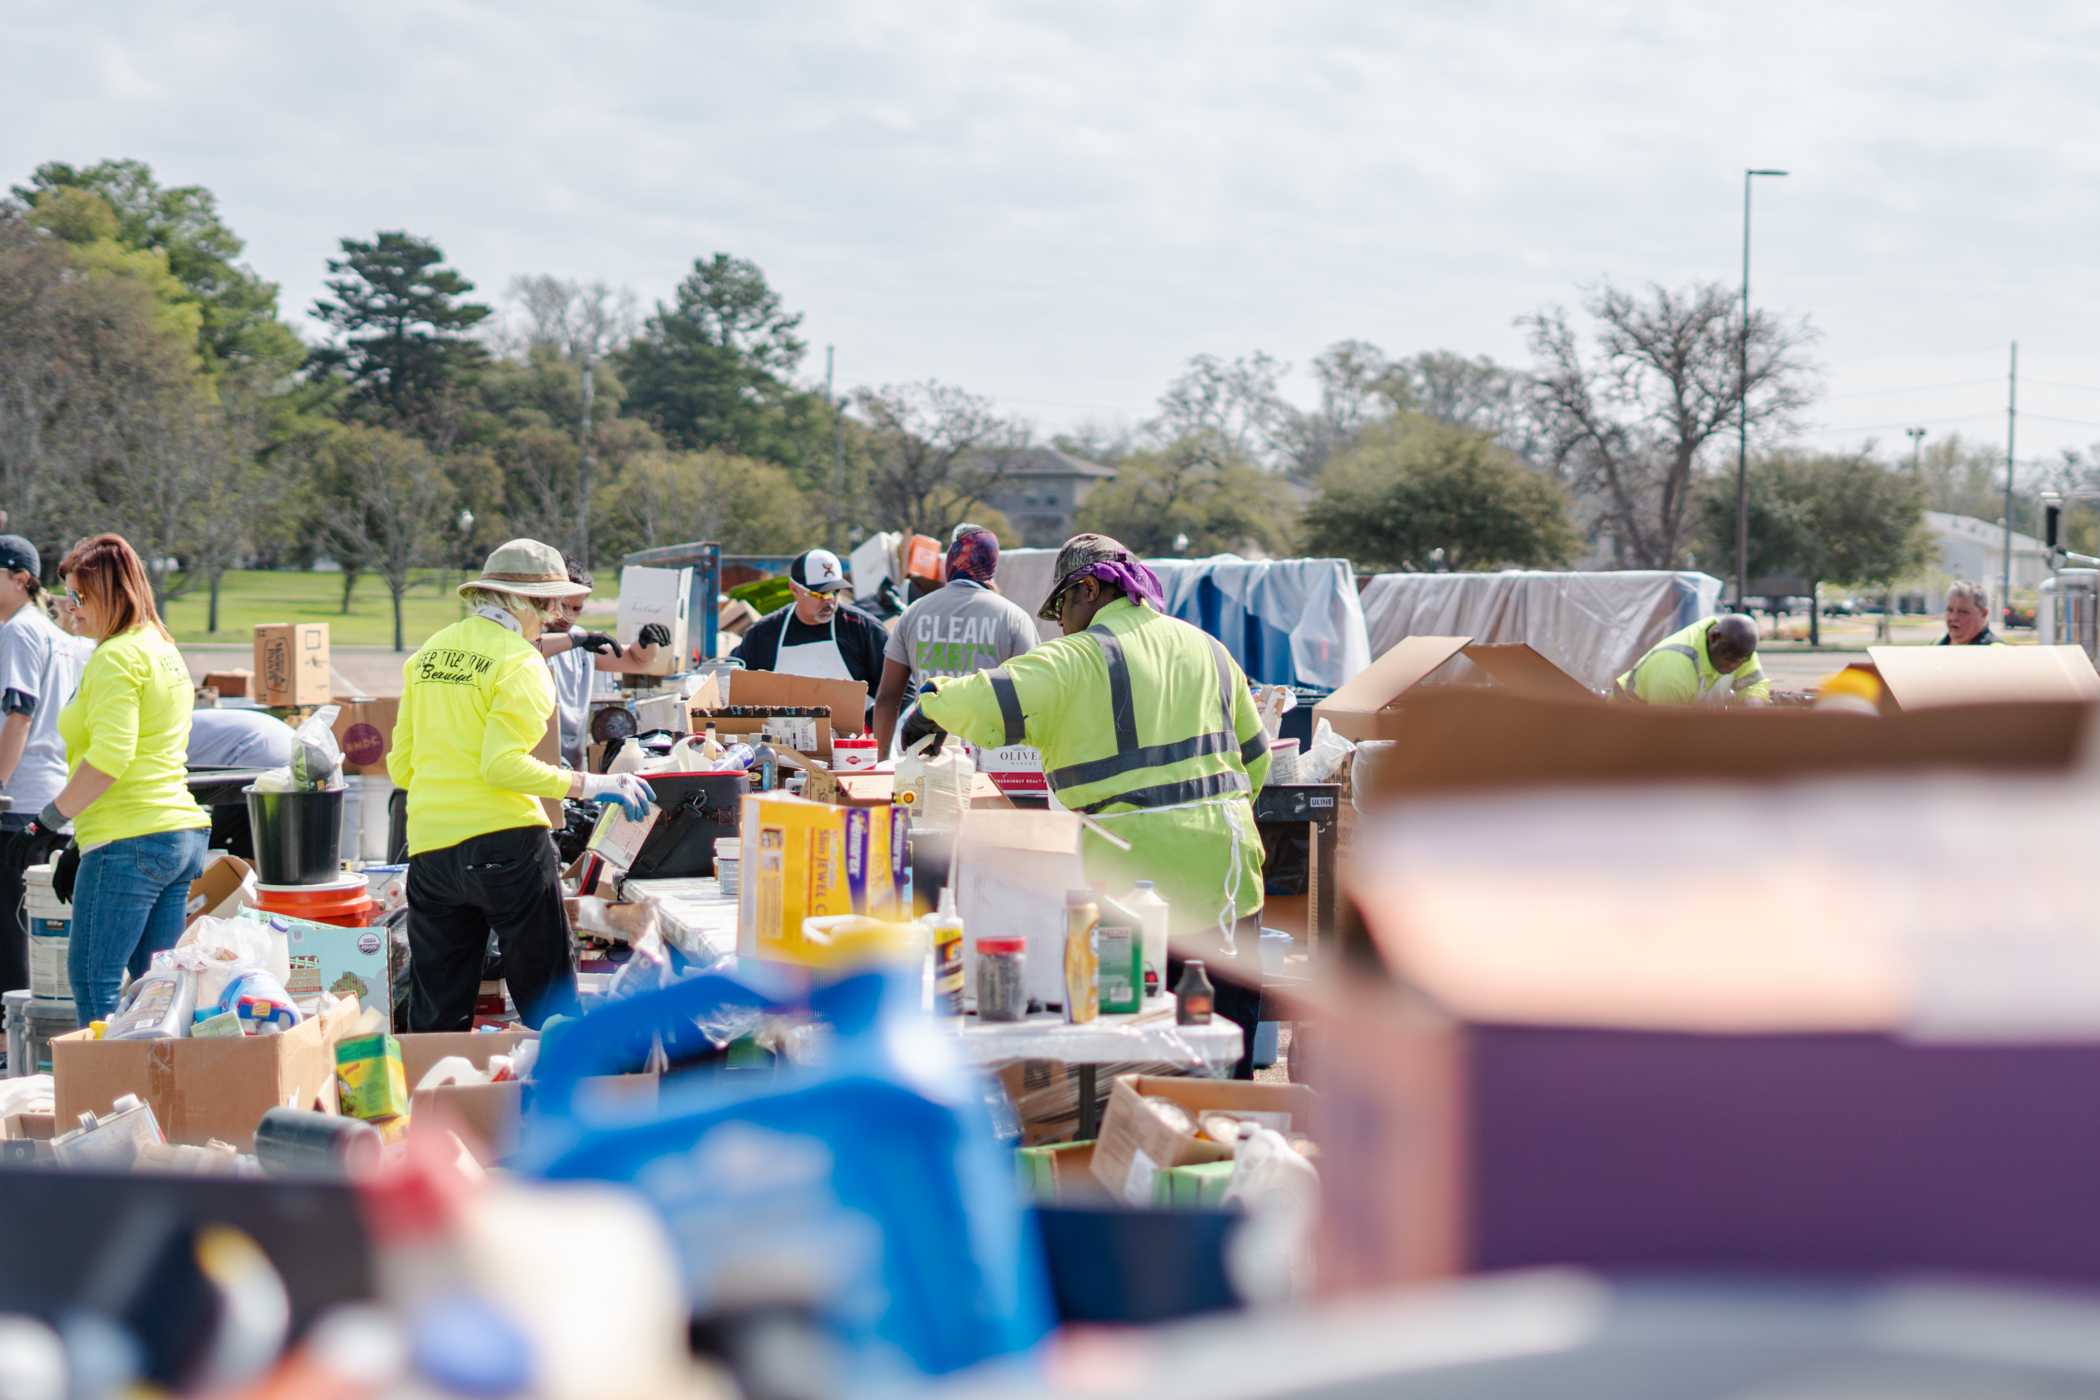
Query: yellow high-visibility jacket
(1677, 671)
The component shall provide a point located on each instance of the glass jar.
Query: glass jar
(1002, 989)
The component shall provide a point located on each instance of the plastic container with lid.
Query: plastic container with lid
(1002, 986)
(854, 753)
(729, 863)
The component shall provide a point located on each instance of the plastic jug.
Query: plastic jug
(875, 1180)
(1144, 901)
(159, 1006)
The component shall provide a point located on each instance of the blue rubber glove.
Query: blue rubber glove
(625, 790)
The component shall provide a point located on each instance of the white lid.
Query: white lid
(339, 886)
(729, 847)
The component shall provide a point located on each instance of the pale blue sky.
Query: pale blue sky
(1057, 204)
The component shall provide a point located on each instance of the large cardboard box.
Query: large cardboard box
(1793, 1024)
(201, 1089)
(1012, 871)
(846, 700)
(365, 730)
(1136, 1144)
(1368, 705)
(333, 959)
(1921, 678)
(661, 596)
(292, 664)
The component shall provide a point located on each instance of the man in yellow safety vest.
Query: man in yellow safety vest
(1711, 662)
(1146, 725)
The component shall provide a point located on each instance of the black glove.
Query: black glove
(66, 872)
(654, 634)
(596, 641)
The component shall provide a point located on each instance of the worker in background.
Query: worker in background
(963, 627)
(223, 736)
(40, 669)
(1969, 617)
(817, 634)
(475, 701)
(1146, 726)
(575, 656)
(1711, 662)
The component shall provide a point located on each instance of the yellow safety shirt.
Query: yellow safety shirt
(1678, 671)
(475, 700)
(131, 719)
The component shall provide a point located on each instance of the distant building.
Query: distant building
(1041, 490)
(1968, 548)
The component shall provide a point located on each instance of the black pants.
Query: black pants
(1234, 977)
(508, 882)
(19, 849)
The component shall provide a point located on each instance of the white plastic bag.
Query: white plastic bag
(317, 759)
(1326, 757)
(217, 949)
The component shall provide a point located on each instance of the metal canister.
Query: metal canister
(301, 1142)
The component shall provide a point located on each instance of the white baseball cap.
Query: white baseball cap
(818, 570)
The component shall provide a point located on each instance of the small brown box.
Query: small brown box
(292, 664)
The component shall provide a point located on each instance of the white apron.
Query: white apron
(818, 660)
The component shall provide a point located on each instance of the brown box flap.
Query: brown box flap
(847, 700)
(1926, 677)
(1363, 707)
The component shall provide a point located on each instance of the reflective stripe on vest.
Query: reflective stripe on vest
(1009, 704)
(1173, 794)
(1130, 755)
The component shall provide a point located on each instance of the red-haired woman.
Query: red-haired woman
(141, 834)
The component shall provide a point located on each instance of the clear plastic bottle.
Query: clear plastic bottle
(161, 1006)
(1144, 901)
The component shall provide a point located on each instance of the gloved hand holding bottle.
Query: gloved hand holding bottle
(626, 790)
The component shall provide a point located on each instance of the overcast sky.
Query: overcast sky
(1056, 204)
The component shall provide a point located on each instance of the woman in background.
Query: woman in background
(39, 671)
(141, 834)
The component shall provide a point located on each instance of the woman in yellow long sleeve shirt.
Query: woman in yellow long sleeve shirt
(475, 702)
(141, 834)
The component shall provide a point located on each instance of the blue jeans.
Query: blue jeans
(128, 905)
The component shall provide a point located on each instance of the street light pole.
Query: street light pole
(1742, 412)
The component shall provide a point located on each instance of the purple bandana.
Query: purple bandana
(1133, 578)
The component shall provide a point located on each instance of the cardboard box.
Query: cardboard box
(1136, 1144)
(1045, 1094)
(365, 729)
(1012, 871)
(201, 1089)
(1368, 704)
(333, 959)
(223, 890)
(489, 1114)
(1059, 1172)
(847, 700)
(292, 664)
(230, 685)
(878, 789)
(661, 596)
(1920, 678)
(1588, 1063)
(1200, 1186)
(750, 728)
(807, 860)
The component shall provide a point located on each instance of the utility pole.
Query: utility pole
(583, 465)
(2012, 400)
(1742, 414)
(840, 505)
(1888, 603)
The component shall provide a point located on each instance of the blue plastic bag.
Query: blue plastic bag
(874, 1182)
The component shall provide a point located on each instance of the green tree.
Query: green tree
(1820, 517)
(1185, 498)
(390, 503)
(712, 369)
(537, 410)
(402, 331)
(239, 326)
(746, 506)
(1418, 494)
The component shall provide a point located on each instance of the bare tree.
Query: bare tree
(1357, 384)
(935, 450)
(395, 503)
(572, 318)
(1632, 423)
(1236, 406)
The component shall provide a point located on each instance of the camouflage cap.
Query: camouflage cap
(1081, 552)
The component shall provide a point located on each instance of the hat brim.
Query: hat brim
(837, 585)
(547, 589)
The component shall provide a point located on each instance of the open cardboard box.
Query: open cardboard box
(223, 890)
(878, 788)
(489, 1114)
(202, 1089)
(1716, 1014)
(1368, 705)
(1136, 1144)
(1920, 678)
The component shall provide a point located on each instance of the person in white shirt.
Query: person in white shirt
(575, 655)
(40, 668)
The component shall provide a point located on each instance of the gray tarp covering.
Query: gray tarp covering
(1591, 625)
(1286, 621)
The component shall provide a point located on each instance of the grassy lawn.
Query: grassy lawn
(252, 596)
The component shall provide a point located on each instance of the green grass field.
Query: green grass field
(249, 597)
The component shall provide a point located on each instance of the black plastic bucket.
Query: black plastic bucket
(298, 836)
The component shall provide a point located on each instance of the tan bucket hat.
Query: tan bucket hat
(529, 569)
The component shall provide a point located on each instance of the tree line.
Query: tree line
(149, 383)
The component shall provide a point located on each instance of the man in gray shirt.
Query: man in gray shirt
(963, 627)
(224, 737)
